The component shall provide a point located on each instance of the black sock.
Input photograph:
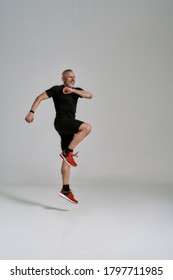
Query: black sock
(67, 150)
(66, 188)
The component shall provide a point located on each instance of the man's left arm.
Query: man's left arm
(83, 93)
(80, 92)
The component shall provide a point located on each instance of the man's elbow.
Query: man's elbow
(90, 95)
(42, 96)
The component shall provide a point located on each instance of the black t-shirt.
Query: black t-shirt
(65, 104)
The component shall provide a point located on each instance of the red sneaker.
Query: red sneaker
(68, 157)
(68, 195)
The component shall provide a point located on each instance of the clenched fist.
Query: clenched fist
(68, 90)
(30, 117)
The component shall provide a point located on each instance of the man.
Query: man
(71, 131)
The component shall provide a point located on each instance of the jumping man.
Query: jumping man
(71, 130)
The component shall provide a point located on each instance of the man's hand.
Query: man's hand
(30, 117)
(67, 90)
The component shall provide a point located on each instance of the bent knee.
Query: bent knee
(89, 128)
(86, 128)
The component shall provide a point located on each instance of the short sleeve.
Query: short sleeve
(52, 91)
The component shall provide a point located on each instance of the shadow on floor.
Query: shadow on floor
(29, 202)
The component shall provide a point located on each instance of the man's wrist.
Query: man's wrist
(31, 111)
(76, 91)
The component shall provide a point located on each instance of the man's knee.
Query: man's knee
(86, 128)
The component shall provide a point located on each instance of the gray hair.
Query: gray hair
(65, 71)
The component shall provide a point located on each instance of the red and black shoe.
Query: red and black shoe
(68, 157)
(68, 195)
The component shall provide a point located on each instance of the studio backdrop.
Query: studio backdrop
(121, 51)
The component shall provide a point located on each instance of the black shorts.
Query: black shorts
(66, 140)
(66, 129)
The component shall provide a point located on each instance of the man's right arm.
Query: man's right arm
(30, 116)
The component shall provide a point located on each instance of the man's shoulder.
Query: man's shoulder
(55, 90)
(51, 92)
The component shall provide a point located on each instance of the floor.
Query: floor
(113, 220)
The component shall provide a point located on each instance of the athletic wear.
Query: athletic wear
(65, 107)
(65, 104)
(68, 150)
(65, 140)
(66, 188)
(68, 157)
(67, 126)
(68, 195)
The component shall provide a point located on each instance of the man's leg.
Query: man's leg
(67, 153)
(65, 172)
(84, 130)
(66, 191)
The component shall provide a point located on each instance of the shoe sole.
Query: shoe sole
(67, 161)
(65, 197)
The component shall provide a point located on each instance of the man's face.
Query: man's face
(69, 79)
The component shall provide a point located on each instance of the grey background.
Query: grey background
(122, 52)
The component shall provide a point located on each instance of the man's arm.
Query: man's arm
(30, 116)
(82, 93)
